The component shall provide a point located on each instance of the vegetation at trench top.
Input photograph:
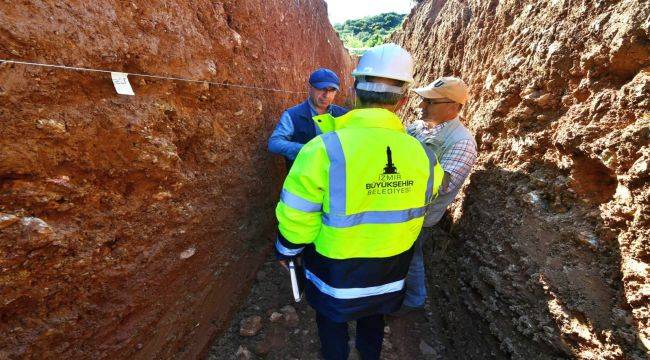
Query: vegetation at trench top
(360, 34)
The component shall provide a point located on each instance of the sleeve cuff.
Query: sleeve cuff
(285, 249)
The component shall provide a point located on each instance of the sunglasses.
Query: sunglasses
(431, 102)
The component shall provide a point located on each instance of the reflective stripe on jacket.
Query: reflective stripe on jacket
(357, 197)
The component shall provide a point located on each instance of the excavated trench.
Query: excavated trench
(135, 226)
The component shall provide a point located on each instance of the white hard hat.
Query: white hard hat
(388, 61)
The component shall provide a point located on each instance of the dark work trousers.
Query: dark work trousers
(334, 337)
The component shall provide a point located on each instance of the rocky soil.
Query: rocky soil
(551, 239)
(271, 325)
(131, 227)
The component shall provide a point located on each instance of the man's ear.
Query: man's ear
(352, 99)
(401, 102)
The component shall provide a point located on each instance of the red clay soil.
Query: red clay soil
(550, 251)
(131, 227)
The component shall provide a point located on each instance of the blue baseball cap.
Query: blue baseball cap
(324, 78)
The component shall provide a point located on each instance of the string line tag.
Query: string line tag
(121, 83)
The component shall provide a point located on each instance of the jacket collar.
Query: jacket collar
(450, 124)
(370, 118)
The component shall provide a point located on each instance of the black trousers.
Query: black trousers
(334, 337)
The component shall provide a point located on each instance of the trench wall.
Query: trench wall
(550, 248)
(130, 227)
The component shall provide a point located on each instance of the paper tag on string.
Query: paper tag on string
(121, 82)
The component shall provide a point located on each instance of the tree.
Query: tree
(369, 31)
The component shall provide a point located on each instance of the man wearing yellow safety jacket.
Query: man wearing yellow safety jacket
(353, 205)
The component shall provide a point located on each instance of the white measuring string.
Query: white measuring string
(162, 77)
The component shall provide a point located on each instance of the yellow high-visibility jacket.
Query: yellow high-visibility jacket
(357, 196)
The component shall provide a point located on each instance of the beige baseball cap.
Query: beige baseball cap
(448, 87)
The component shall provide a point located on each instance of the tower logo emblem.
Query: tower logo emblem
(390, 182)
(390, 167)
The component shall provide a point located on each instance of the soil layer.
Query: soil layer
(130, 227)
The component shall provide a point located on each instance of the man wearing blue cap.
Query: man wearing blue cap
(296, 126)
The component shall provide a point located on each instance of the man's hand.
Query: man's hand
(284, 264)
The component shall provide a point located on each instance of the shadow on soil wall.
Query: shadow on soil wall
(514, 277)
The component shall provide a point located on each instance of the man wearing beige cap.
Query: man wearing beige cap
(439, 127)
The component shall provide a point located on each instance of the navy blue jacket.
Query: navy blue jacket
(304, 128)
